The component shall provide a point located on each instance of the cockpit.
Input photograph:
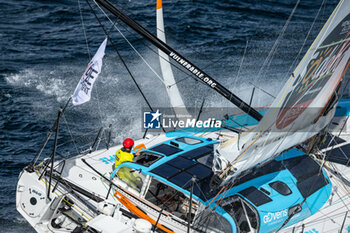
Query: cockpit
(258, 201)
(162, 173)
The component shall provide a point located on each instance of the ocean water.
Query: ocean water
(44, 52)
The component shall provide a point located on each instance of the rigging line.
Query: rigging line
(70, 132)
(97, 93)
(205, 207)
(83, 25)
(163, 58)
(305, 40)
(137, 52)
(89, 54)
(240, 66)
(259, 134)
(212, 62)
(233, 182)
(340, 197)
(343, 126)
(277, 42)
(199, 54)
(63, 199)
(262, 90)
(120, 57)
(308, 194)
(169, 61)
(185, 63)
(92, 132)
(343, 181)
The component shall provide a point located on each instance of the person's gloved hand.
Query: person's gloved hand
(137, 153)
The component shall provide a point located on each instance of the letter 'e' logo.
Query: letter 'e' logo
(151, 120)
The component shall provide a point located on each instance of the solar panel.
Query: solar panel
(166, 171)
(199, 152)
(339, 155)
(166, 149)
(181, 163)
(254, 195)
(181, 169)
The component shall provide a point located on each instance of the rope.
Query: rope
(212, 62)
(199, 54)
(306, 38)
(72, 205)
(89, 54)
(240, 66)
(276, 44)
(70, 133)
(165, 59)
(83, 25)
(119, 55)
(137, 52)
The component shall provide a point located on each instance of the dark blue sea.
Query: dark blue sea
(44, 52)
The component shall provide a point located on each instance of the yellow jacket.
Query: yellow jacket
(122, 156)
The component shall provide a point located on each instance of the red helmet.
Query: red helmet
(128, 143)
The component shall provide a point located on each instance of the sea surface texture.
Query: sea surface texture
(46, 45)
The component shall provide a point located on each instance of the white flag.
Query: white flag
(82, 92)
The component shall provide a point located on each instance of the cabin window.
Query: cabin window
(170, 199)
(255, 196)
(281, 188)
(189, 141)
(209, 221)
(166, 149)
(243, 213)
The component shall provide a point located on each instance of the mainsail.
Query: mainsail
(301, 109)
(168, 76)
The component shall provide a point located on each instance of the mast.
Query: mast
(197, 72)
(168, 76)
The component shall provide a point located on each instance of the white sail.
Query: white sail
(299, 111)
(168, 76)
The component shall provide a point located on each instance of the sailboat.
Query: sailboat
(287, 171)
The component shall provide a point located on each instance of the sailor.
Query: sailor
(125, 173)
(124, 154)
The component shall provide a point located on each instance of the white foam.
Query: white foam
(43, 80)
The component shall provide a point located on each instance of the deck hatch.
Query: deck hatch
(189, 141)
